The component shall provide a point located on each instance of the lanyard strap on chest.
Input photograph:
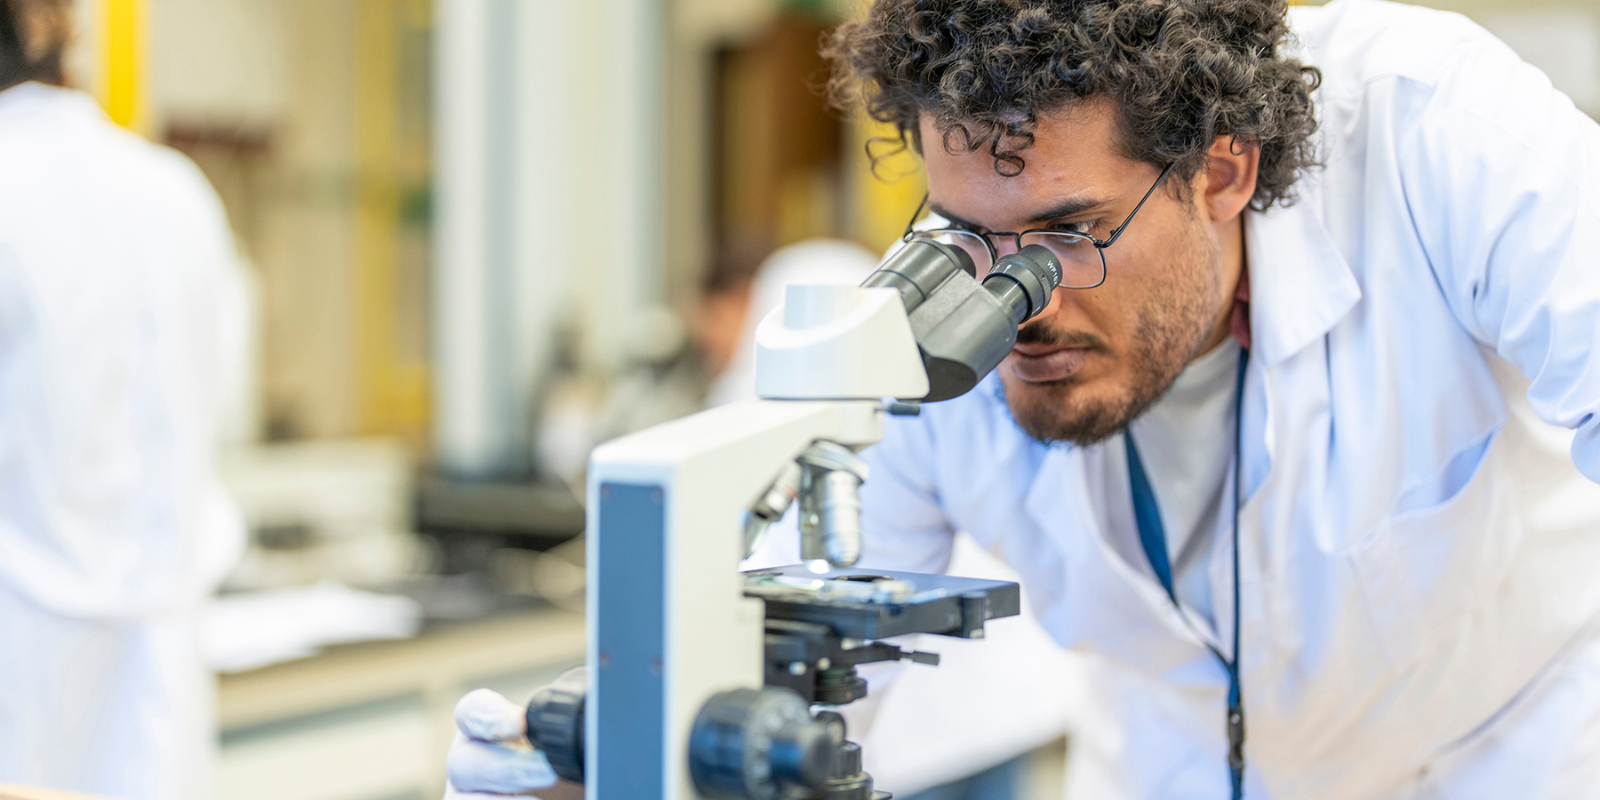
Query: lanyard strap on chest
(1153, 538)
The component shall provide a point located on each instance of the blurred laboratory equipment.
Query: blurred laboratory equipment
(509, 239)
(323, 510)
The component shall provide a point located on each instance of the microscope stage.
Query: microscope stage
(875, 604)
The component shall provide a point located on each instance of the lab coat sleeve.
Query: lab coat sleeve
(903, 524)
(1502, 178)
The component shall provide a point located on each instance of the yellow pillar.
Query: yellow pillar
(392, 386)
(122, 61)
(888, 194)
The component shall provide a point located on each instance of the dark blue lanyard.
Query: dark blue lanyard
(1153, 537)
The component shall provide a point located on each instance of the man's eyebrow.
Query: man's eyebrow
(955, 221)
(1065, 208)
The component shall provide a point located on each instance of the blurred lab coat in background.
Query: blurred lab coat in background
(989, 700)
(118, 284)
(809, 261)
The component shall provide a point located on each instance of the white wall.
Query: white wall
(217, 59)
(550, 162)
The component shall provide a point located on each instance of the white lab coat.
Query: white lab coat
(1420, 558)
(114, 259)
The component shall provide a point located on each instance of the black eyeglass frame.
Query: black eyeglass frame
(1100, 245)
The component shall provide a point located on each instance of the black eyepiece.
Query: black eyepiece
(1024, 280)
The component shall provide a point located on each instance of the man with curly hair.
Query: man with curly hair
(1383, 226)
(1303, 452)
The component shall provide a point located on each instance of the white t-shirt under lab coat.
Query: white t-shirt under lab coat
(1185, 443)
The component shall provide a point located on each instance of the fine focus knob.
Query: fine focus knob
(802, 754)
(555, 722)
(758, 744)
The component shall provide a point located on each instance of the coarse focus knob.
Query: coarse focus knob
(758, 744)
(555, 722)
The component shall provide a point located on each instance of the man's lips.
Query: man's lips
(1039, 363)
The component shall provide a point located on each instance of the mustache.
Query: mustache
(1039, 333)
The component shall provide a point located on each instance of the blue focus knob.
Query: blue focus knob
(555, 722)
(758, 744)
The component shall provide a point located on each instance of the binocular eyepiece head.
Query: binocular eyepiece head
(964, 327)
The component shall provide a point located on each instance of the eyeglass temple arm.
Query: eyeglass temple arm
(1124, 226)
(913, 223)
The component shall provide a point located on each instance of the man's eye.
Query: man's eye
(1075, 227)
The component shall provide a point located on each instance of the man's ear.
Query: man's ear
(1230, 178)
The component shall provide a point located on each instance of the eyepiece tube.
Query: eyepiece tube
(917, 270)
(1024, 280)
(965, 328)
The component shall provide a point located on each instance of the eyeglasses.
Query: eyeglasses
(1083, 258)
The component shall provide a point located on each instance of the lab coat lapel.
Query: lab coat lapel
(1109, 602)
(1300, 285)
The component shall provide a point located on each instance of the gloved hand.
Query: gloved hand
(491, 755)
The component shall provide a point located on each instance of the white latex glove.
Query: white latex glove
(491, 755)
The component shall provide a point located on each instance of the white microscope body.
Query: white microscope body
(670, 624)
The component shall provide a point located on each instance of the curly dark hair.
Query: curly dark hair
(1180, 73)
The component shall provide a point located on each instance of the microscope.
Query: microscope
(702, 680)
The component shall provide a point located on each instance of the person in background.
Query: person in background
(116, 263)
(679, 366)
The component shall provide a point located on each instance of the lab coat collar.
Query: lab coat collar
(1300, 285)
(30, 97)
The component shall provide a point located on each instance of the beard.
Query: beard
(1173, 323)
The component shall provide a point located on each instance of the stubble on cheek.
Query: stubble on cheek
(1171, 325)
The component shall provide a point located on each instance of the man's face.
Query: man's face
(1094, 359)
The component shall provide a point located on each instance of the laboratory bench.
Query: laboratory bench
(373, 721)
